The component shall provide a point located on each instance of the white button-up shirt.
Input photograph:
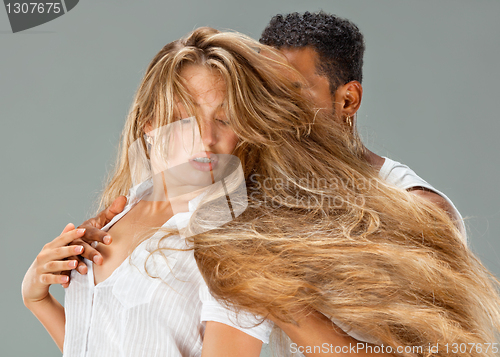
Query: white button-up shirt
(133, 314)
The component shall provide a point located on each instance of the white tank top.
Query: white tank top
(403, 177)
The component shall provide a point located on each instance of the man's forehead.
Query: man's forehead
(302, 58)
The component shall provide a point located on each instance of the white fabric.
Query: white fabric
(133, 314)
(403, 177)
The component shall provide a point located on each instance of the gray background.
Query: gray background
(431, 97)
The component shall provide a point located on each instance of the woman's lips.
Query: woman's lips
(204, 161)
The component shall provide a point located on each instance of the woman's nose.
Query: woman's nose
(208, 133)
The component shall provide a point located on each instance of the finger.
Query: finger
(68, 228)
(67, 273)
(58, 266)
(50, 279)
(105, 216)
(91, 223)
(91, 253)
(59, 253)
(96, 235)
(81, 267)
(116, 207)
(68, 237)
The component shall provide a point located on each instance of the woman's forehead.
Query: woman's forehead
(198, 79)
(205, 88)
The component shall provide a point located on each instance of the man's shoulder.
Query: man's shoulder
(435, 198)
(404, 177)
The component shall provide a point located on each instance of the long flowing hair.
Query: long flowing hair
(321, 230)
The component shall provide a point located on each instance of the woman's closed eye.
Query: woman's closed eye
(223, 122)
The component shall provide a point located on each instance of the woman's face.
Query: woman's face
(197, 145)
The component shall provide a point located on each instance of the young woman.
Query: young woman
(149, 298)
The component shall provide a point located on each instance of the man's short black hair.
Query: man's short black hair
(338, 42)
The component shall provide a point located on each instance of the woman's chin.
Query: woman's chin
(196, 180)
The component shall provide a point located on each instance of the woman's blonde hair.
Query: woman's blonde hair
(321, 230)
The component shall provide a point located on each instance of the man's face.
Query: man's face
(304, 59)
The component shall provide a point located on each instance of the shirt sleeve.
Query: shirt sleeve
(252, 325)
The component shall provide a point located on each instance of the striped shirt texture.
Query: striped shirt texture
(151, 305)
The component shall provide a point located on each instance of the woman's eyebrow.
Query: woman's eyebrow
(221, 105)
(178, 105)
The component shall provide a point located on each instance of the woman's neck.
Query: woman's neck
(165, 197)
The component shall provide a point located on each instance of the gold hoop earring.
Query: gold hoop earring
(348, 120)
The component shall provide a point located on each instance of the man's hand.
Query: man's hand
(93, 236)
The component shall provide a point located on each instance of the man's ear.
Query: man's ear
(348, 99)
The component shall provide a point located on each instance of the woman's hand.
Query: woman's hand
(94, 235)
(48, 265)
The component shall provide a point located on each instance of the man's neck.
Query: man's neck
(373, 159)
